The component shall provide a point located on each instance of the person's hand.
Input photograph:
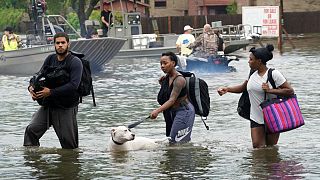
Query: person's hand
(107, 24)
(265, 87)
(33, 95)
(222, 90)
(43, 93)
(154, 114)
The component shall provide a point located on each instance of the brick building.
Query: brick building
(160, 8)
(164, 8)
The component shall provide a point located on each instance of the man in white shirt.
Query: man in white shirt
(184, 40)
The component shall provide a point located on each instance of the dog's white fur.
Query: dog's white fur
(122, 139)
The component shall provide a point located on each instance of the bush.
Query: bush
(232, 8)
(10, 17)
(73, 20)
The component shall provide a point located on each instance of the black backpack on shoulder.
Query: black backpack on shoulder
(198, 94)
(85, 87)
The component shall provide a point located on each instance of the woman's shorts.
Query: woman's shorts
(253, 124)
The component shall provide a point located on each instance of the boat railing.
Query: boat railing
(47, 27)
(229, 33)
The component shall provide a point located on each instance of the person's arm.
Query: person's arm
(284, 90)
(44, 65)
(283, 87)
(178, 84)
(104, 21)
(69, 88)
(198, 42)
(233, 89)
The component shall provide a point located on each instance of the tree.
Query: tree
(232, 8)
(79, 7)
(16, 4)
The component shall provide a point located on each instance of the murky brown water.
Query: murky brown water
(126, 91)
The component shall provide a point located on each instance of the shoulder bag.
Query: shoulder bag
(281, 114)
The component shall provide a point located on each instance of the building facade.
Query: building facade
(164, 8)
(142, 6)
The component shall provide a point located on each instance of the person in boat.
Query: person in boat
(221, 45)
(178, 112)
(59, 97)
(184, 40)
(206, 44)
(10, 41)
(257, 87)
(106, 18)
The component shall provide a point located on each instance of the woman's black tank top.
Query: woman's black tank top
(166, 89)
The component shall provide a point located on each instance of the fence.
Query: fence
(294, 22)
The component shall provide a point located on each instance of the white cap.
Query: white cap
(187, 27)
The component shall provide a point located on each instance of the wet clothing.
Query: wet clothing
(60, 108)
(179, 120)
(256, 93)
(11, 42)
(183, 119)
(64, 122)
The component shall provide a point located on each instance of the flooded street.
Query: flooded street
(126, 92)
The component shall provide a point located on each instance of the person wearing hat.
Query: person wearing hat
(206, 44)
(106, 19)
(10, 41)
(178, 112)
(184, 40)
(257, 87)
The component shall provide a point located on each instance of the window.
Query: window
(160, 3)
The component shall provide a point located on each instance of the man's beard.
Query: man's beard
(62, 53)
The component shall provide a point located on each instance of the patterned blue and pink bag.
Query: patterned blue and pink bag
(281, 114)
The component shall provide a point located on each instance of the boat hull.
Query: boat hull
(208, 65)
(28, 61)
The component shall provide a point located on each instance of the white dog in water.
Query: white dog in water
(122, 139)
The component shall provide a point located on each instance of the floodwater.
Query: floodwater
(126, 91)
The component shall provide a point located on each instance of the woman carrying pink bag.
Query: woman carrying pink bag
(257, 88)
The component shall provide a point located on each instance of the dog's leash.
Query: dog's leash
(137, 123)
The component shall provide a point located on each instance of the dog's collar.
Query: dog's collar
(117, 143)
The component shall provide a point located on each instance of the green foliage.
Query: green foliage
(232, 8)
(73, 20)
(55, 7)
(95, 15)
(17, 4)
(118, 19)
(10, 17)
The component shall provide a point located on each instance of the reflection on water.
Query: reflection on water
(126, 92)
(185, 161)
(267, 164)
(52, 163)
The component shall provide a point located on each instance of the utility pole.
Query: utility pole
(282, 29)
(280, 26)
